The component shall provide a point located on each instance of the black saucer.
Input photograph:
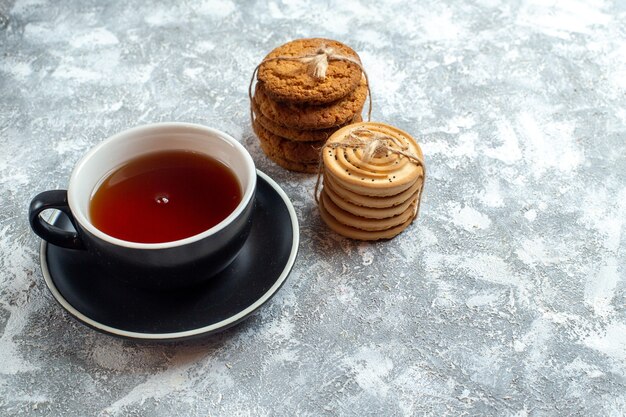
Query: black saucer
(110, 306)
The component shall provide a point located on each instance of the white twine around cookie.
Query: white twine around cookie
(373, 144)
(316, 65)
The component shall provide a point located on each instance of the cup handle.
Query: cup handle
(54, 199)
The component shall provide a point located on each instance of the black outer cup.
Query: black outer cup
(167, 268)
(159, 266)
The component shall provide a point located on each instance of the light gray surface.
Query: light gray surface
(507, 297)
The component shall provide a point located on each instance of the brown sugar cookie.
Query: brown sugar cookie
(368, 212)
(311, 117)
(274, 154)
(386, 174)
(363, 223)
(307, 152)
(295, 166)
(354, 233)
(368, 201)
(290, 81)
(298, 135)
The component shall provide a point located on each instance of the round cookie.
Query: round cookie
(368, 201)
(309, 168)
(353, 233)
(295, 166)
(367, 212)
(362, 223)
(384, 175)
(307, 152)
(311, 117)
(290, 81)
(297, 134)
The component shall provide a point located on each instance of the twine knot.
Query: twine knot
(317, 64)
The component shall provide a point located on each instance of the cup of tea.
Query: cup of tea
(163, 205)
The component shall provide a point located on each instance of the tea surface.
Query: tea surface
(164, 196)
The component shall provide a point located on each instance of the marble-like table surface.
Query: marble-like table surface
(507, 297)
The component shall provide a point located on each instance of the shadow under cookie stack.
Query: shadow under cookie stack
(297, 107)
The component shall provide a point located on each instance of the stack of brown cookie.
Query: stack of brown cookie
(376, 196)
(295, 111)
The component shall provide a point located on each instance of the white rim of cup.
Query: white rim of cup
(82, 219)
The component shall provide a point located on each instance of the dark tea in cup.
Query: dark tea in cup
(164, 196)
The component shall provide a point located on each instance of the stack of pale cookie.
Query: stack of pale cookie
(295, 112)
(374, 196)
